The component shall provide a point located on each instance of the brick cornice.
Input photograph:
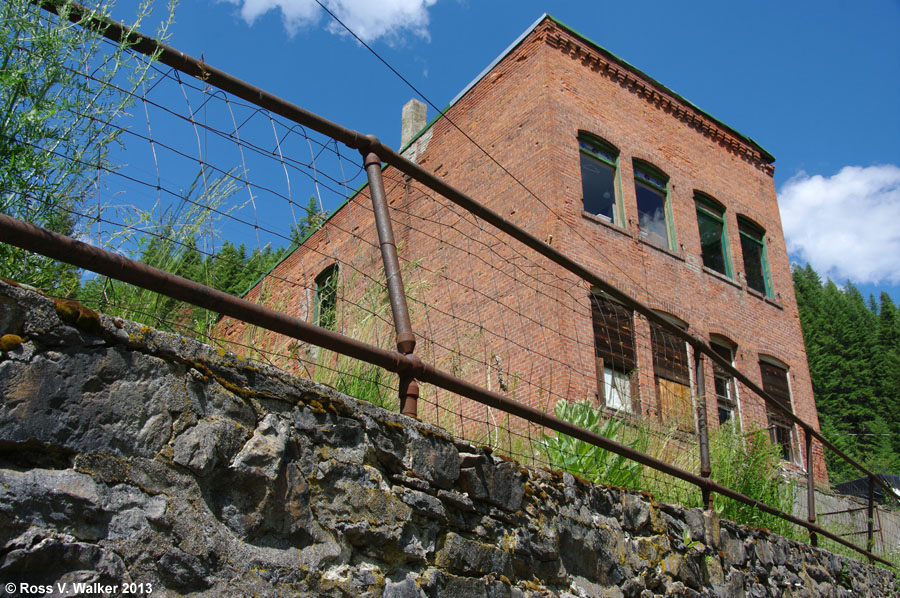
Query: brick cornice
(628, 79)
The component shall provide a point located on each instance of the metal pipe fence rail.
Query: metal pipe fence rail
(404, 362)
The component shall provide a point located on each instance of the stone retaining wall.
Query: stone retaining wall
(130, 456)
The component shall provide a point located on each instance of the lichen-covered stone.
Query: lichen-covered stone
(263, 454)
(434, 458)
(468, 557)
(500, 484)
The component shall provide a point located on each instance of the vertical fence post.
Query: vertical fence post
(406, 341)
(703, 425)
(810, 487)
(870, 520)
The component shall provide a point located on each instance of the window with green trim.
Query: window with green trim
(713, 234)
(599, 178)
(756, 263)
(781, 430)
(726, 392)
(651, 186)
(326, 297)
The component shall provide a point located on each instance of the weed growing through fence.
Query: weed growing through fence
(750, 464)
(167, 242)
(62, 89)
(364, 313)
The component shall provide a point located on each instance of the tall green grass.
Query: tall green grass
(364, 313)
(167, 240)
(751, 464)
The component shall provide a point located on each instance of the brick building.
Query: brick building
(619, 173)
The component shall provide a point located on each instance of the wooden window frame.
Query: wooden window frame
(750, 232)
(325, 312)
(672, 379)
(731, 403)
(657, 181)
(777, 423)
(602, 151)
(707, 206)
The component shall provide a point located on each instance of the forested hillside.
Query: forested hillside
(853, 345)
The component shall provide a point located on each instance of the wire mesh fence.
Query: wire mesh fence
(211, 187)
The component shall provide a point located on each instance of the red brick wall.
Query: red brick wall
(500, 315)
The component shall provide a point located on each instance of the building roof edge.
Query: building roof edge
(766, 156)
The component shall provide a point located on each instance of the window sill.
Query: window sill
(610, 225)
(765, 298)
(668, 252)
(722, 277)
(624, 415)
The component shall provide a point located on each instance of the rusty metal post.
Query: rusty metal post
(406, 341)
(703, 425)
(810, 488)
(870, 519)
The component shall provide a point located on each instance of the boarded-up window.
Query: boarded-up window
(775, 383)
(673, 378)
(614, 352)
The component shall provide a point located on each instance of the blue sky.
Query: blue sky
(816, 84)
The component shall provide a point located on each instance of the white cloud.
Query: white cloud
(848, 225)
(370, 20)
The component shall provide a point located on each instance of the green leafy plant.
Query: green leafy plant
(587, 460)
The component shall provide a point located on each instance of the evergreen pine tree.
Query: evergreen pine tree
(853, 347)
(312, 219)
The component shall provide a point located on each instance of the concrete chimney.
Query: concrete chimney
(413, 120)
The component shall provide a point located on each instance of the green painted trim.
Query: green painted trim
(748, 228)
(766, 273)
(581, 150)
(649, 169)
(710, 204)
(769, 158)
(596, 157)
(588, 137)
(751, 227)
(601, 143)
(710, 207)
(729, 269)
(327, 277)
(670, 221)
(619, 200)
